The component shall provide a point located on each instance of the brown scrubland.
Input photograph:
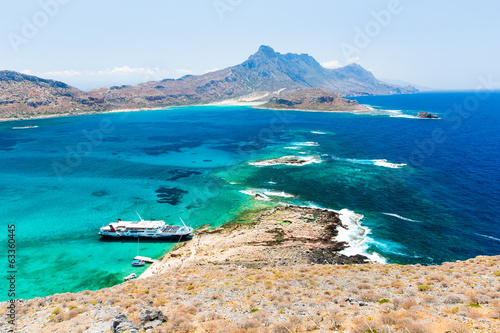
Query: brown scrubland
(221, 288)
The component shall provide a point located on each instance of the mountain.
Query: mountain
(263, 73)
(27, 95)
(405, 84)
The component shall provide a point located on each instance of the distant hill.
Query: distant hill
(264, 72)
(313, 99)
(406, 84)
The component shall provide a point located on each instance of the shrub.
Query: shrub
(56, 311)
(364, 286)
(388, 319)
(424, 287)
(383, 300)
(452, 299)
(474, 305)
(409, 304)
(248, 323)
(370, 297)
(365, 326)
(457, 328)
(397, 302)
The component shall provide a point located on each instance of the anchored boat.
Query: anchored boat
(130, 277)
(143, 228)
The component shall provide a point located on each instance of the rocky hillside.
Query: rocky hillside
(265, 72)
(231, 280)
(313, 99)
(26, 95)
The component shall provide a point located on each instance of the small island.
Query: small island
(427, 115)
(313, 100)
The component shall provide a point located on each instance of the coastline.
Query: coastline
(252, 104)
(354, 111)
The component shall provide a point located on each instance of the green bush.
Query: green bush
(384, 300)
(424, 287)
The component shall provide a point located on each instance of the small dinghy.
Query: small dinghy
(130, 277)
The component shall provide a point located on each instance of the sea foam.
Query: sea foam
(356, 236)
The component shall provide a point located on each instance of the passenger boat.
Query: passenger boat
(146, 229)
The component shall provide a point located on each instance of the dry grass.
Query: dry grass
(306, 298)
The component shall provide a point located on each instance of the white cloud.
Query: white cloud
(210, 70)
(182, 71)
(109, 76)
(331, 64)
(352, 60)
(66, 73)
(125, 70)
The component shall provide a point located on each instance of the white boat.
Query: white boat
(143, 228)
(130, 277)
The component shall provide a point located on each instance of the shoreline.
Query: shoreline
(67, 114)
(353, 111)
(253, 105)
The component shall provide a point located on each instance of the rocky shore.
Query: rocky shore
(282, 236)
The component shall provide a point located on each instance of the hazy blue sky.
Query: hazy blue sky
(440, 44)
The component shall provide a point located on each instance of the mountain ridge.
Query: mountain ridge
(265, 71)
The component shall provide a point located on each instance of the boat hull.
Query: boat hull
(163, 237)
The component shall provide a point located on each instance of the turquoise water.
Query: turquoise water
(61, 181)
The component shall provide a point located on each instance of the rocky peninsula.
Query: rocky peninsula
(313, 100)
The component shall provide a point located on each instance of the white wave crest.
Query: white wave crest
(278, 194)
(490, 237)
(356, 236)
(381, 162)
(317, 132)
(307, 144)
(256, 195)
(401, 217)
(384, 163)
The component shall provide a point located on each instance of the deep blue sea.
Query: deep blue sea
(411, 190)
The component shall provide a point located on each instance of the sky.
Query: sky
(445, 45)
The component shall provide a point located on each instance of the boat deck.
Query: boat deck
(145, 259)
